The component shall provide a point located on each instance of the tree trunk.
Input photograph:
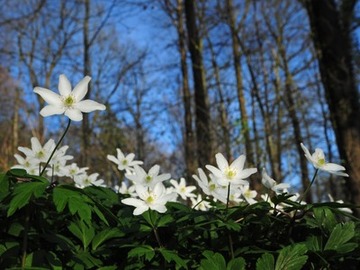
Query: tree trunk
(331, 36)
(224, 122)
(239, 83)
(190, 147)
(203, 131)
(87, 72)
(291, 108)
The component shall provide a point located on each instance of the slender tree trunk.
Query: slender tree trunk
(330, 27)
(87, 72)
(203, 131)
(190, 146)
(224, 122)
(239, 83)
(291, 108)
(15, 122)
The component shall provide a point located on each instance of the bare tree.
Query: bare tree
(331, 32)
(203, 131)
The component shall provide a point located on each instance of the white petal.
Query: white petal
(51, 110)
(159, 189)
(141, 209)
(247, 172)
(113, 159)
(142, 192)
(163, 177)
(214, 170)
(339, 173)
(174, 183)
(27, 151)
(120, 154)
(332, 167)
(35, 144)
(239, 182)
(74, 114)
(221, 162)
(49, 96)
(81, 88)
(133, 202)
(130, 157)
(89, 106)
(159, 207)
(154, 170)
(307, 154)
(238, 163)
(19, 159)
(64, 86)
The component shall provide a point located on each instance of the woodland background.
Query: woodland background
(183, 80)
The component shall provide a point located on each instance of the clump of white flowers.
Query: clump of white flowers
(35, 158)
(227, 183)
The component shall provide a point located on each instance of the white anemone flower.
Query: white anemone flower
(29, 164)
(210, 187)
(125, 163)
(73, 170)
(84, 180)
(149, 198)
(317, 159)
(248, 194)
(148, 179)
(37, 151)
(69, 102)
(233, 174)
(345, 209)
(182, 189)
(200, 204)
(270, 183)
(126, 189)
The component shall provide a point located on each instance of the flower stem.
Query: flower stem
(228, 197)
(153, 225)
(56, 147)
(308, 187)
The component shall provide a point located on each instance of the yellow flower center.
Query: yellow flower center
(212, 186)
(230, 173)
(321, 162)
(69, 101)
(148, 178)
(87, 181)
(124, 162)
(40, 154)
(150, 200)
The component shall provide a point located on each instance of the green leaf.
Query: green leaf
(29, 260)
(340, 235)
(77, 202)
(88, 260)
(325, 218)
(265, 262)
(142, 251)
(77, 205)
(4, 186)
(313, 243)
(83, 232)
(236, 264)
(104, 236)
(100, 215)
(292, 257)
(170, 255)
(165, 220)
(213, 261)
(17, 172)
(23, 193)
